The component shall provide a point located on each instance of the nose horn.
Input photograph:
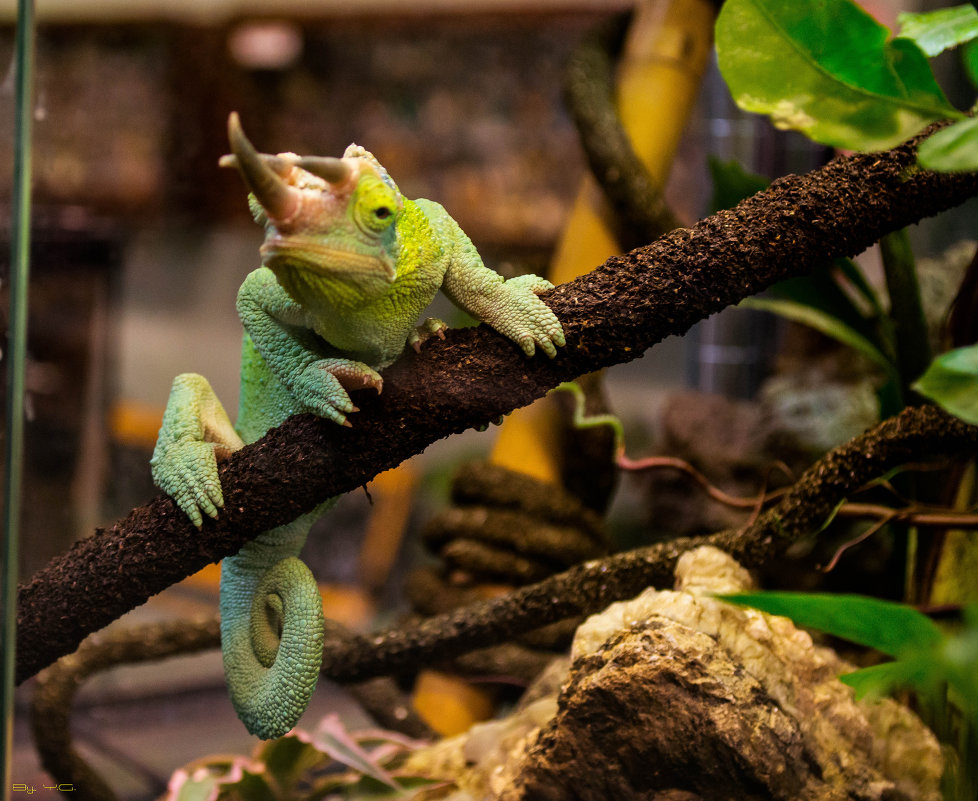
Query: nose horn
(274, 195)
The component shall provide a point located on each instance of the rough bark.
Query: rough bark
(611, 315)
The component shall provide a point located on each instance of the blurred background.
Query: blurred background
(140, 243)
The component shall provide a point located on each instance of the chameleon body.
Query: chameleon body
(348, 264)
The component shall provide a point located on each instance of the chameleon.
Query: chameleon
(347, 264)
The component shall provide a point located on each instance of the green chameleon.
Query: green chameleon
(347, 266)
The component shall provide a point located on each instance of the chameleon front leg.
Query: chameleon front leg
(511, 307)
(281, 331)
(196, 433)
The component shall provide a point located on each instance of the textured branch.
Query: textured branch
(589, 91)
(611, 315)
(592, 586)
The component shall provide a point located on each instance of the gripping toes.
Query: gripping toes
(187, 471)
(526, 319)
(429, 328)
(324, 385)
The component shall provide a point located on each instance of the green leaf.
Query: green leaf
(289, 759)
(969, 60)
(936, 31)
(218, 777)
(828, 69)
(732, 183)
(824, 322)
(821, 290)
(184, 787)
(369, 789)
(855, 276)
(951, 382)
(960, 659)
(888, 627)
(952, 149)
(883, 679)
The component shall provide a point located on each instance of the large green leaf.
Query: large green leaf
(951, 382)
(936, 31)
(952, 149)
(888, 627)
(828, 69)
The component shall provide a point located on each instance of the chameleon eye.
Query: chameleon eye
(375, 205)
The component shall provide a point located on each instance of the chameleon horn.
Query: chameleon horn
(334, 171)
(277, 164)
(262, 179)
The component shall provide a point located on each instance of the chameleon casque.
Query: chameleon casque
(347, 265)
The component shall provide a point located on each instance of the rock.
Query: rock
(678, 696)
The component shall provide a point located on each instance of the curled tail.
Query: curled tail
(271, 630)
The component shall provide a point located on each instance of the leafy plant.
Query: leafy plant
(951, 381)
(828, 69)
(831, 71)
(330, 763)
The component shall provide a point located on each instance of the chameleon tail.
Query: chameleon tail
(271, 631)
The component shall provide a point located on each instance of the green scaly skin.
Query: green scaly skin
(348, 264)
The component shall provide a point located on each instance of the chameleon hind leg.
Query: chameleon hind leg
(271, 628)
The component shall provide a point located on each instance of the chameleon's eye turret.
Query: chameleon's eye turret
(375, 205)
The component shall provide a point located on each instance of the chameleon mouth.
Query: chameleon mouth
(326, 260)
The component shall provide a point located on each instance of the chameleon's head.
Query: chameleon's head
(330, 224)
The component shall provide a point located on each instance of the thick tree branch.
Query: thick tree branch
(611, 315)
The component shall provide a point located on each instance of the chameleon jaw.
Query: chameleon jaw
(326, 261)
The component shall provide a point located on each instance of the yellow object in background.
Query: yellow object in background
(665, 54)
(448, 704)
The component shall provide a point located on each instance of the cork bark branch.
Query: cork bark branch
(611, 315)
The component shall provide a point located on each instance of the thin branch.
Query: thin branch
(611, 315)
(869, 532)
(914, 515)
(754, 502)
